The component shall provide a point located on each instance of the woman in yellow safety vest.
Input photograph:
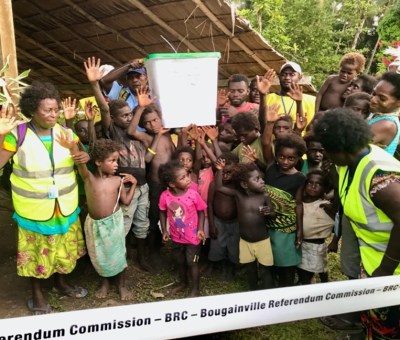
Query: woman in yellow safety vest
(369, 190)
(44, 195)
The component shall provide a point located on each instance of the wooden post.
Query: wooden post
(7, 38)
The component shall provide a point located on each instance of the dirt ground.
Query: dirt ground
(15, 290)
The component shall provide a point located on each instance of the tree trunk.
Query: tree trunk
(371, 58)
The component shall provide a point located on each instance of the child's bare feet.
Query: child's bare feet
(179, 287)
(104, 289)
(125, 294)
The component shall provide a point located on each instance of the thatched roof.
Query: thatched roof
(54, 37)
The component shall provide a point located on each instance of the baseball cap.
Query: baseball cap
(105, 69)
(140, 70)
(296, 67)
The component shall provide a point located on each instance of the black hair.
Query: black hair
(167, 172)
(241, 172)
(148, 109)
(79, 122)
(230, 158)
(342, 130)
(292, 141)
(181, 149)
(325, 178)
(356, 96)
(285, 118)
(394, 79)
(310, 138)
(115, 105)
(368, 83)
(237, 78)
(103, 148)
(34, 94)
(245, 120)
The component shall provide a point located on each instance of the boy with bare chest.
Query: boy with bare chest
(253, 207)
(104, 225)
(223, 223)
(160, 147)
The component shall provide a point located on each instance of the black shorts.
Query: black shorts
(190, 251)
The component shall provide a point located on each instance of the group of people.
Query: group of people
(260, 190)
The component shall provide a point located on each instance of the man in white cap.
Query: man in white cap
(136, 78)
(289, 77)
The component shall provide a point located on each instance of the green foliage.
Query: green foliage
(11, 87)
(317, 33)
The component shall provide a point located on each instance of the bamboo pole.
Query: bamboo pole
(7, 38)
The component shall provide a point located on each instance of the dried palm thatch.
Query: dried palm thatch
(54, 37)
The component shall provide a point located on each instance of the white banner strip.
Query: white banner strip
(210, 314)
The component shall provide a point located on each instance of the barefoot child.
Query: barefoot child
(157, 141)
(317, 226)
(104, 226)
(331, 92)
(184, 209)
(253, 209)
(224, 226)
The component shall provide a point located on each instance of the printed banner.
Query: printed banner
(211, 314)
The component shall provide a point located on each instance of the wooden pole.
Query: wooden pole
(7, 41)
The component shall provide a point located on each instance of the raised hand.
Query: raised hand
(194, 132)
(7, 120)
(295, 92)
(201, 136)
(66, 139)
(69, 107)
(90, 111)
(272, 113)
(219, 164)
(222, 97)
(301, 121)
(264, 83)
(143, 97)
(92, 67)
(249, 153)
(211, 132)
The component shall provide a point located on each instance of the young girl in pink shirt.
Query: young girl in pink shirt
(183, 208)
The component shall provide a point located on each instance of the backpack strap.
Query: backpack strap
(21, 133)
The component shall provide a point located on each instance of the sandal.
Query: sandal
(74, 292)
(335, 323)
(38, 310)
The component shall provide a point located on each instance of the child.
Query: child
(317, 226)
(315, 155)
(253, 209)
(186, 156)
(116, 116)
(283, 182)
(247, 129)
(184, 209)
(330, 94)
(160, 147)
(359, 103)
(222, 217)
(227, 138)
(104, 225)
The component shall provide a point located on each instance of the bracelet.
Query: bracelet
(152, 151)
(390, 258)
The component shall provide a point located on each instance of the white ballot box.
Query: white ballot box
(186, 86)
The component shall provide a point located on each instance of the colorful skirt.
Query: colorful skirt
(40, 256)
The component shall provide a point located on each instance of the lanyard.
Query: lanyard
(284, 106)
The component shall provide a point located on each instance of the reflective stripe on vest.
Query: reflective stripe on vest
(33, 176)
(371, 225)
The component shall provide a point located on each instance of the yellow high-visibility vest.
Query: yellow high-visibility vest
(371, 225)
(35, 176)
